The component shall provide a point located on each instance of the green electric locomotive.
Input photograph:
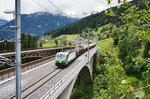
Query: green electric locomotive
(64, 58)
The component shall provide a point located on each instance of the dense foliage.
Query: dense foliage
(27, 42)
(123, 66)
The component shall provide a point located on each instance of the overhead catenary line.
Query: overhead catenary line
(48, 9)
(51, 12)
(56, 6)
(41, 6)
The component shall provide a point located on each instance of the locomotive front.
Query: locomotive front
(61, 59)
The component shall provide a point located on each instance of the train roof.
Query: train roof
(67, 52)
(63, 53)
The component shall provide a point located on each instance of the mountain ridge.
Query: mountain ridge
(93, 21)
(38, 23)
(3, 22)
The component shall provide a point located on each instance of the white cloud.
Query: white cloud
(74, 7)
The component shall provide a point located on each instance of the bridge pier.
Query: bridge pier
(67, 92)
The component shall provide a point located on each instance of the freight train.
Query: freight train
(64, 58)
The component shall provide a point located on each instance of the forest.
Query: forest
(27, 42)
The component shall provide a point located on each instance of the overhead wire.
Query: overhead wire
(56, 6)
(58, 9)
(53, 5)
(41, 6)
(58, 23)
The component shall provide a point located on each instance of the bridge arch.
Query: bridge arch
(85, 76)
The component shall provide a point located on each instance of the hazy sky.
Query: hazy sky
(70, 7)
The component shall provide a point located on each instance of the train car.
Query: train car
(84, 48)
(64, 58)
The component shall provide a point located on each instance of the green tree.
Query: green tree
(56, 42)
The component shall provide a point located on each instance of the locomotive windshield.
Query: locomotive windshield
(60, 56)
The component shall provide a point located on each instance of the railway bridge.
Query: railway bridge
(40, 53)
(47, 81)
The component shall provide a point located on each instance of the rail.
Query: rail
(33, 86)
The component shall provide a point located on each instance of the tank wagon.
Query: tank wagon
(64, 58)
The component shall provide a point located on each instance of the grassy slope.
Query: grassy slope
(52, 44)
(69, 37)
(107, 46)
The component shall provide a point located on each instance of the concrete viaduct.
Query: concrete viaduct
(47, 81)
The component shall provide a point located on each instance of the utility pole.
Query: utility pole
(18, 48)
(62, 41)
(96, 35)
(17, 14)
(89, 30)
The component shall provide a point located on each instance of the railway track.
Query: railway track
(7, 73)
(37, 84)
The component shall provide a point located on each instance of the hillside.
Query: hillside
(94, 21)
(39, 23)
(3, 22)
